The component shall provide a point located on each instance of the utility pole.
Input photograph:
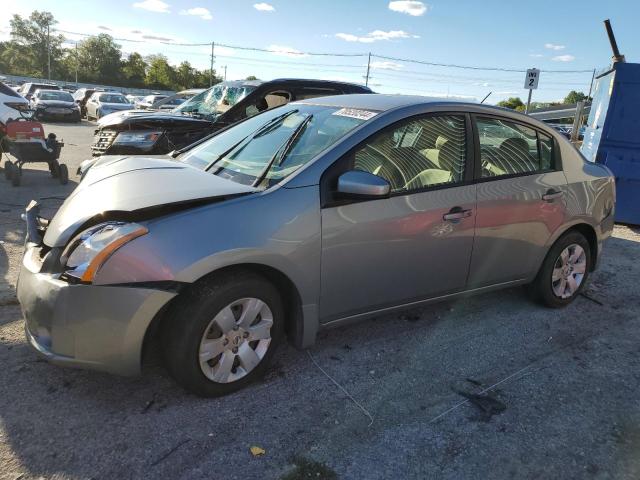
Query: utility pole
(48, 54)
(76, 63)
(225, 73)
(211, 68)
(366, 81)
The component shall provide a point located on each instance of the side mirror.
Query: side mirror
(360, 184)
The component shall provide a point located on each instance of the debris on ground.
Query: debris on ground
(257, 451)
(488, 405)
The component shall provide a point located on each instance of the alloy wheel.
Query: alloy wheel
(236, 340)
(568, 271)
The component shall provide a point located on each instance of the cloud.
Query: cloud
(413, 8)
(102, 27)
(136, 31)
(263, 7)
(156, 37)
(153, 6)
(375, 36)
(386, 65)
(536, 55)
(286, 51)
(564, 58)
(552, 46)
(201, 12)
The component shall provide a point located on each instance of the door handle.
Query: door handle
(456, 213)
(552, 195)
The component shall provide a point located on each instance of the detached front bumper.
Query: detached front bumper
(86, 326)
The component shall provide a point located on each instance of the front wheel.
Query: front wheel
(222, 334)
(564, 272)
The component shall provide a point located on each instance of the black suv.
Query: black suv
(138, 132)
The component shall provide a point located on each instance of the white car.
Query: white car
(104, 103)
(11, 102)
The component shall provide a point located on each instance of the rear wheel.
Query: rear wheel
(8, 169)
(63, 174)
(564, 271)
(223, 333)
(16, 173)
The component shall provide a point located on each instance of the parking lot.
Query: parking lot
(559, 388)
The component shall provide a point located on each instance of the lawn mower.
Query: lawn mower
(24, 139)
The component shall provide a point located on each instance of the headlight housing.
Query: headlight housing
(141, 138)
(89, 250)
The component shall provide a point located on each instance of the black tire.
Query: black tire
(542, 287)
(63, 174)
(191, 315)
(15, 176)
(8, 169)
(54, 169)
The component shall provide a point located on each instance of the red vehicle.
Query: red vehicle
(25, 140)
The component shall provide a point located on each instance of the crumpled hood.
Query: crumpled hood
(130, 184)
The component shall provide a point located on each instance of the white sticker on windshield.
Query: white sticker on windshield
(355, 113)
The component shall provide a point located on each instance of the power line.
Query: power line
(326, 54)
(467, 67)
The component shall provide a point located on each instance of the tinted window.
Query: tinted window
(508, 148)
(55, 95)
(421, 153)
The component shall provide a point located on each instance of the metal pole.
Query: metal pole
(225, 73)
(211, 68)
(528, 102)
(591, 86)
(366, 81)
(577, 122)
(76, 63)
(48, 54)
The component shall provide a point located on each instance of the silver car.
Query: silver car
(309, 215)
(104, 103)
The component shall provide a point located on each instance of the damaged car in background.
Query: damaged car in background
(217, 107)
(309, 215)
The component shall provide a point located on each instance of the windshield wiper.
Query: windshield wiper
(282, 152)
(244, 141)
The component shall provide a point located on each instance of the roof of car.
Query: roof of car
(378, 102)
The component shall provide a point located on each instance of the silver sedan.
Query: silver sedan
(309, 215)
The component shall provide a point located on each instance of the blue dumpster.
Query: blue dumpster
(612, 136)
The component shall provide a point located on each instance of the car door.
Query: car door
(416, 243)
(521, 190)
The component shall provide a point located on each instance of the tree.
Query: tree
(185, 76)
(160, 74)
(514, 103)
(134, 70)
(251, 77)
(575, 97)
(33, 40)
(99, 60)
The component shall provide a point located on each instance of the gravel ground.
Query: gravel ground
(562, 390)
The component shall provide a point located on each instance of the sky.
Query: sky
(550, 35)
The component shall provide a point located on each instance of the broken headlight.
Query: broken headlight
(88, 251)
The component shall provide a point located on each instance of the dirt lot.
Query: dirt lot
(563, 389)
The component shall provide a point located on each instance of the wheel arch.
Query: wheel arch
(291, 299)
(587, 230)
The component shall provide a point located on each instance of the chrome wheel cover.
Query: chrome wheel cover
(236, 340)
(568, 271)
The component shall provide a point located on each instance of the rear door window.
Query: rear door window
(509, 148)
